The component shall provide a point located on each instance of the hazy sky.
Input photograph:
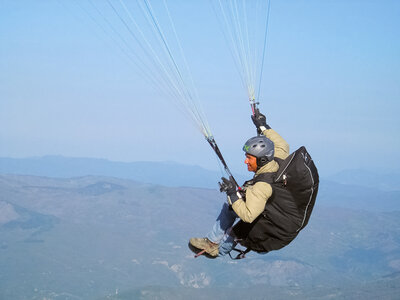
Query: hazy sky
(331, 82)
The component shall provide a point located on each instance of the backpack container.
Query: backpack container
(295, 187)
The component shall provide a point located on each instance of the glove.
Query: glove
(260, 121)
(229, 187)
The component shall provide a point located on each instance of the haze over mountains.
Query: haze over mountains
(160, 172)
(102, 237)
(355, 189)
(150, 172)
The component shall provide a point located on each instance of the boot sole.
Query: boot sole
(197, 250)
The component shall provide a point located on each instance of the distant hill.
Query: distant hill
(357, 197)
(350, 189)
(165, 173)
(386, 181)
(96, 237)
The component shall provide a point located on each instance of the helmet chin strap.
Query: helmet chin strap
(261, 161)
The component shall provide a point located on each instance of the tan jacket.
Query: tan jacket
(258, 194)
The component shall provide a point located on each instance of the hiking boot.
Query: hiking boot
(205, 245)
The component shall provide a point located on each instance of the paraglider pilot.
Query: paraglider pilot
(250, 202)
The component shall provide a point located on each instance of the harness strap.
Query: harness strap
(242, 253)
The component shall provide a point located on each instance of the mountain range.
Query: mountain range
(170, 173)
(165, 173)
(354, 189)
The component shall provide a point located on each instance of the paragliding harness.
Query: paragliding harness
(295, 187)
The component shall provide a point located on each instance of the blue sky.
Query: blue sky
(331, 82)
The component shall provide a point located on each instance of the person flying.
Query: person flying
(250, 201)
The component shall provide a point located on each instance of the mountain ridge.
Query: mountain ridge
(160, 172)
(332, 191)
(150, 172)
